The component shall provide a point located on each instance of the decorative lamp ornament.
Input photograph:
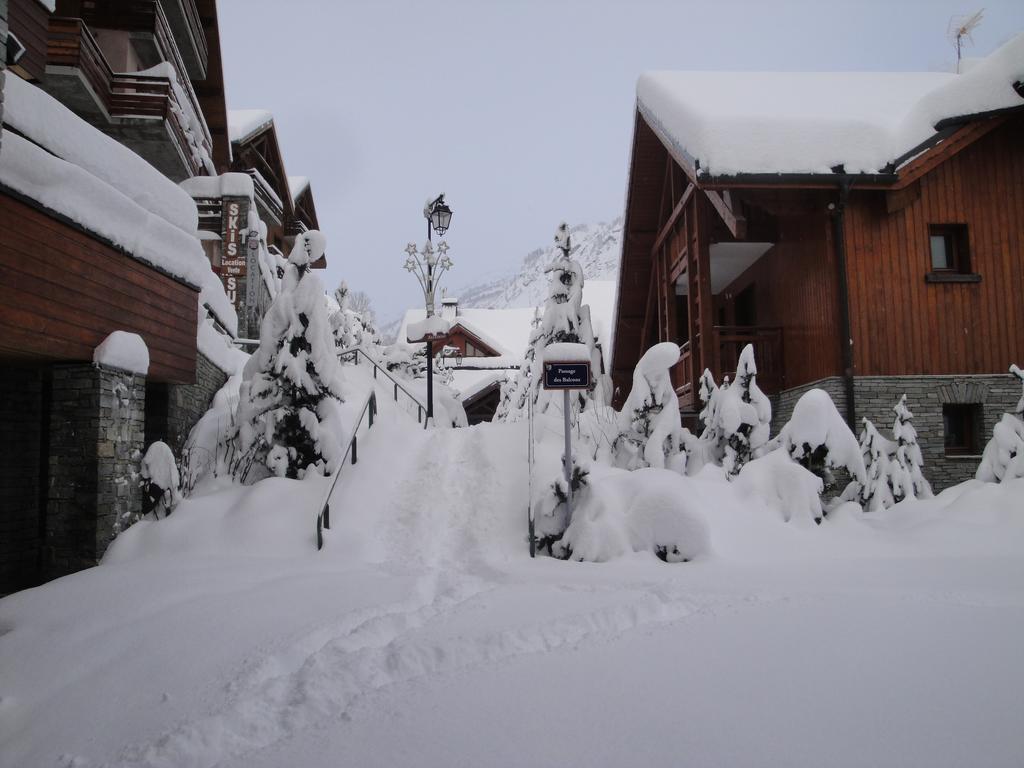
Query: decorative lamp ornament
(252, 240)
(438, 214)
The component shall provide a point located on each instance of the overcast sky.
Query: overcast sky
(520, 112)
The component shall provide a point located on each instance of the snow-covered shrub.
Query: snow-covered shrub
(875, 491)
(783, 484)
(907, 480)
(818, 438)
(1003, 458)
(565, 320)
(550, 511)
(744, 415)
(350, 325)
(649, 424)
(287, 413)
(161, 486)
(648, 510)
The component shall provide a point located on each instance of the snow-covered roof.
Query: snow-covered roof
(297, 185)
(726, 123)
(243, 123)
(507, 331)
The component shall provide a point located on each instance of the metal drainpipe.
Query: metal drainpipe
(845, 330)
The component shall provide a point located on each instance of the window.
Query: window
(962, 426)
(472, 351)
(949, 248)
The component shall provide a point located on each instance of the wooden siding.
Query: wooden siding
(65, 291)
(796, 289)
(28, 20)
(903, 325)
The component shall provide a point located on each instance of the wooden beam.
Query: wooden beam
(736, 223)
(667, 229)
(944, 150)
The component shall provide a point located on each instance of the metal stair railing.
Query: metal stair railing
(354, 352)
(323, 519)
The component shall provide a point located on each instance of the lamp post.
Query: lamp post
(428, 266)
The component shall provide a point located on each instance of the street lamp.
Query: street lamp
(428, 265)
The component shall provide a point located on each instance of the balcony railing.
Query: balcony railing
(727, 343)
(131, 94)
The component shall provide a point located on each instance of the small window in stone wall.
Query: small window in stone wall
(962, 425)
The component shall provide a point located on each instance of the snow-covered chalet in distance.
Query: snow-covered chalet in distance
(864, 231)
(487, 345)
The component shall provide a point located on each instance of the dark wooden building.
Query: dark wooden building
(871, 248)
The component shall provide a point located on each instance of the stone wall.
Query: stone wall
(188, 402)
(21, 442)
(996, 395)
(876, 395)
(96, 432)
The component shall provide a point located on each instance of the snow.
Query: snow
(809, 122)
(566, 352)
(423, 634)
(244, 123)
(123, 350)
(297, 185)
(160, 469)
(45, 121)
(435, 325)
(224, 185)
(218, 348)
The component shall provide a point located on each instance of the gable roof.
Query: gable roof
(243, 124)
(733, 123)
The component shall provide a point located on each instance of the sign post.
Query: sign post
(566, 376)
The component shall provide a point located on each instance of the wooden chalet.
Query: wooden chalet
(865, 232)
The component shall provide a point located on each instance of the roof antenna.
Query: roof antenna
(960, 29)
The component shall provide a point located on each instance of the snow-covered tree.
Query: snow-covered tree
(288, 417)
(818, 438)
(907, 480)
(565, 320)
(874, 491)
(709, 446)
(351, 327)
(649, 423)
(744, 415)
(1003, 458)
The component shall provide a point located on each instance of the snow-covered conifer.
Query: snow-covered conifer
(875, 491)
(818, 438)
(565, 320)
(288, 419)
(1003, 458)
(649, 424)
(744, 415)
(907, 479)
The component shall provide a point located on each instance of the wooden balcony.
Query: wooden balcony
(79, 75)
(727, 343)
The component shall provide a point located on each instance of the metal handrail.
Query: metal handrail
(323, 519)
(421, 409)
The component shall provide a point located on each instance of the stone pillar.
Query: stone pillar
(96, 429)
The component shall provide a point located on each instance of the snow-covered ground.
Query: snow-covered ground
(424, 635)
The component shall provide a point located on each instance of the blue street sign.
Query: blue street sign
(566, 375)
